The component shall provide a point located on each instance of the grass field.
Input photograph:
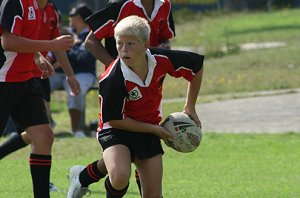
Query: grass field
(225, 165)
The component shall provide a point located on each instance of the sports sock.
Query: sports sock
(113, 193)
(138, 181)
(90, 175)
(14, 143)
(40, 166)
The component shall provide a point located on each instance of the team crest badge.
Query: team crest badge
(31, 13)
(134, 94)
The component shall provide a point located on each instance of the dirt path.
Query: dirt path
(267, 112)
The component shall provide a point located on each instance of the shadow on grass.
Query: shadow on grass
(63, 134)
(103, 192)
(67, 134)
(264, 29)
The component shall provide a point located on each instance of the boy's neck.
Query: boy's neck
(148, 6)
(141, 69)
(42, 3)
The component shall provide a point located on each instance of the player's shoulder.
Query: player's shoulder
(111, 10)
(117, 3)
(10, 3)
(113, 73)
(52, 5)
(178, 56)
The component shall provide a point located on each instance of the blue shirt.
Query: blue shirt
(82, 61)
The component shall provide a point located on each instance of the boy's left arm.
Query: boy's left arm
(44, 65)
(192, 94)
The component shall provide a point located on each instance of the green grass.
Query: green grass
(225, 165)
(213, 30)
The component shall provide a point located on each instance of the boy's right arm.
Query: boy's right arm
(96, 48)
(11, 42)
(135, 126)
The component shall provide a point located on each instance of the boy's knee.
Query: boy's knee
(119, 180)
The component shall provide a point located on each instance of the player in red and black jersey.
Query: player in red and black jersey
(130, 93)
(158, 13)
(20, 21)
(49, 30)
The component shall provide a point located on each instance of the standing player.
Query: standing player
(158, 13)
(130, 94)
(20, 94)
(49, 30)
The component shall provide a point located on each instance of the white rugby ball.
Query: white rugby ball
(187, 135)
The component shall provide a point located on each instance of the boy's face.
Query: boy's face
(74, 22)
(130, 49)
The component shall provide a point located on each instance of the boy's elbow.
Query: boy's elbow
(87, 44)
(114, 123)
(7, 42)
(5, 45)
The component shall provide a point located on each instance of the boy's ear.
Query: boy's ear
(147, 44)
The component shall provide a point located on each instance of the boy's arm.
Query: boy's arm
(131, 125)
(11, 42)
(95, 47)
(166, 44)
(44, 65)
(192, 94)
(62, 58)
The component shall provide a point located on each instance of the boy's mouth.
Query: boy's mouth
(126, 57)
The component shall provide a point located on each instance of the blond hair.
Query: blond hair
(133, 26)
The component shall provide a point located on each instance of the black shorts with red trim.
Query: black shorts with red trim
(141, 145)
(23, 101)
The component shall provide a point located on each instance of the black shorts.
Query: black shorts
(141, 145)
(45, 88)
(23, 101)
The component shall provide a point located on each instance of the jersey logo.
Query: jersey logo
(135, 94)
(31, 13)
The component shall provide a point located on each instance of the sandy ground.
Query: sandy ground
(263, 112)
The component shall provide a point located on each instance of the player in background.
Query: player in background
(49, 30)
(158, 13)
(20, 21)
(130, 97)
(83, 64)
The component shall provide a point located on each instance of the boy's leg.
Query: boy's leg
(36, 124)
(138, 181)
(91, 174)
(80, 178)
(150, 171)
(16, 142)
(40, 158)
(111, 192)
(76, 104)
(117, 160)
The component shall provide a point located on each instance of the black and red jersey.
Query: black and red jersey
(104, 21)
(123, 94)
(49, 29)
(22, 18)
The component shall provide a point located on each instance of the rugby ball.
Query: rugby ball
(187, 135)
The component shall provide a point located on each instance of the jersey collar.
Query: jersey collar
(157, 5)
(129, 75)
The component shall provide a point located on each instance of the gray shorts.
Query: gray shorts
(86, 81)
